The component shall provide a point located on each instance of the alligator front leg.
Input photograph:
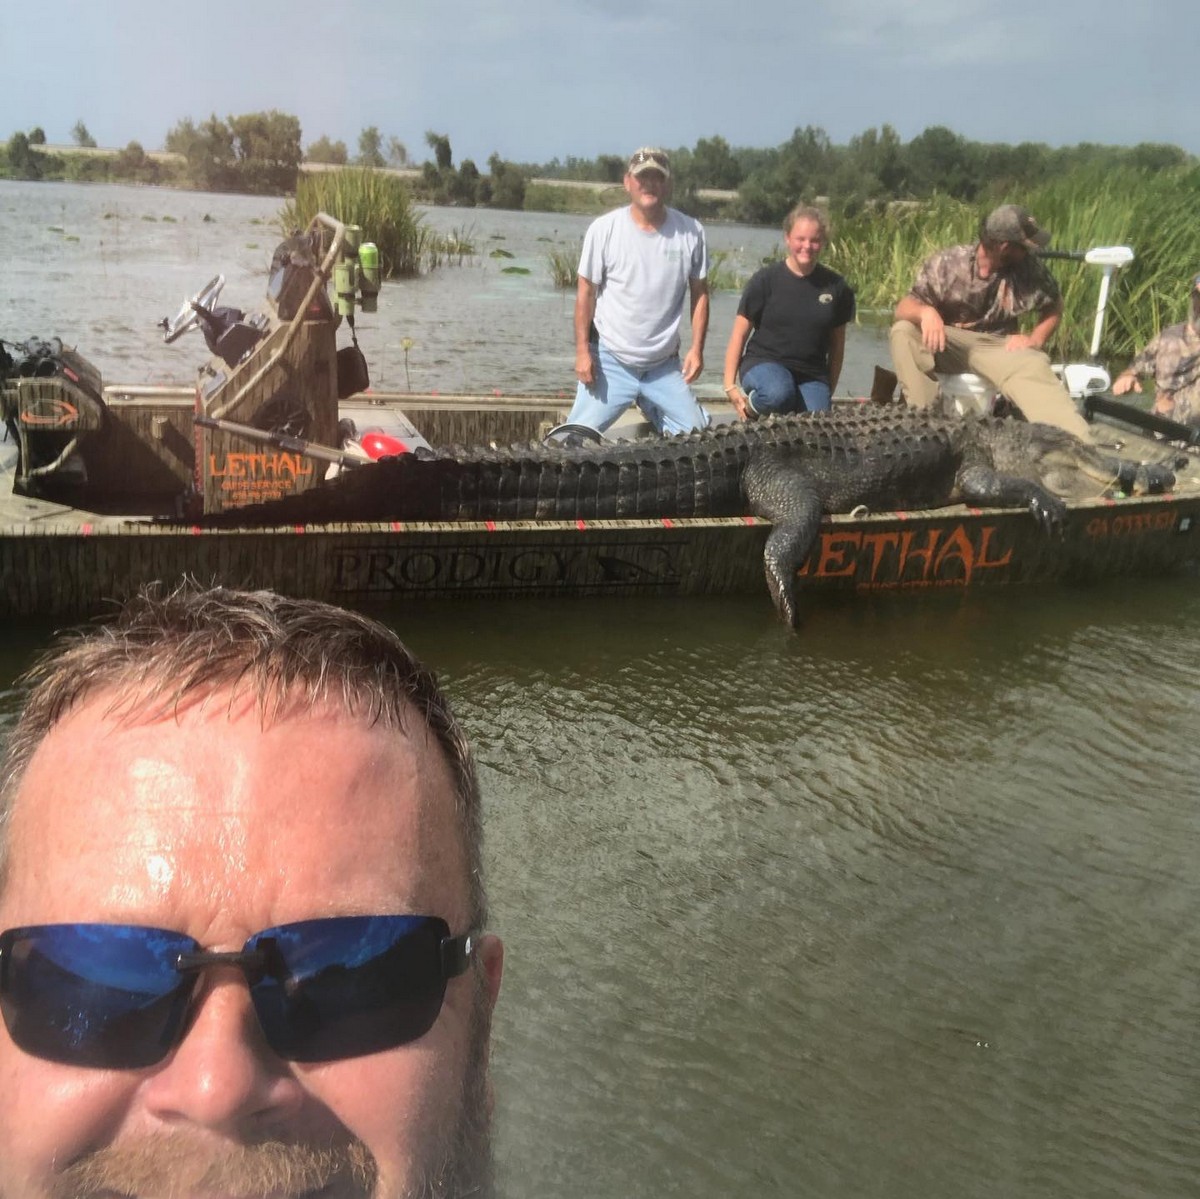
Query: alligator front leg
(988, 488)
(782, 494)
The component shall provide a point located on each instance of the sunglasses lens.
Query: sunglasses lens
(347, 986)
(104, 995)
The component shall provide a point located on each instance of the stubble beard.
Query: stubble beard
(171, 1166)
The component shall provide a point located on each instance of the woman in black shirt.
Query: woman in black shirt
(789, 335)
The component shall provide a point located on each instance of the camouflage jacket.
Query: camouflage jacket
(1173, 358)
(949, 281)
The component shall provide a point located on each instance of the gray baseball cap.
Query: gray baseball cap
(1011, 222)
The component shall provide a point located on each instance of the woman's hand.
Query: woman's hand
(740, 401)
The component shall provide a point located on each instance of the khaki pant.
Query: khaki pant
(1022, 375)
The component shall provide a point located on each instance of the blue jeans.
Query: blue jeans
(773, 391)
(659, 391)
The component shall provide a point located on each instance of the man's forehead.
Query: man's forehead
(211, 791)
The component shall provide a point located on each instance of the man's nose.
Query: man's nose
(223, 1076)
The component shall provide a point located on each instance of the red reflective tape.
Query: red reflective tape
(975, 511)
(581, 524)
(490, 525)
(902, 516)
(750, 520)
(299, 529)
(86, 530)
(667, 523)
(196, 530)
(397, 526)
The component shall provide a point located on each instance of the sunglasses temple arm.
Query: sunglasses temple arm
(456, 954)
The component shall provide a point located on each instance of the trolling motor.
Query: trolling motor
(1083, 379)
(227, 332)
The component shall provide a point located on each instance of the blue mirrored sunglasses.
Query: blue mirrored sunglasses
(118, 996)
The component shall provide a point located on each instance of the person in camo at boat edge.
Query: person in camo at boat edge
(962, 316)
(638, 266)
(1173, 358)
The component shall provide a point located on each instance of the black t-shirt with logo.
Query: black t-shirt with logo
(793, 316)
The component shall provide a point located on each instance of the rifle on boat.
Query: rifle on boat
(282, 441)
(1151, 422)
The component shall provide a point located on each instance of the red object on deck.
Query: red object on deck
(382, 445)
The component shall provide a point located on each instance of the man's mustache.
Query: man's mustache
(168, 1167)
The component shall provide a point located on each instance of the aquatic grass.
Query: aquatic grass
(722, 275)
(379, 204)
(879, 252)
(563, 262)
(406, 344)
(454, 247)
(1157, 214)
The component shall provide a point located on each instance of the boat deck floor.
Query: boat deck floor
(30, 515)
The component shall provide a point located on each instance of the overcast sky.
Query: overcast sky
(538, 79)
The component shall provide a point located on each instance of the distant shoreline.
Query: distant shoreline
(168, 158)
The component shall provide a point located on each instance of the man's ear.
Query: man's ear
(490, 951)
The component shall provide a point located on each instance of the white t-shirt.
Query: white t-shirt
(641, 278)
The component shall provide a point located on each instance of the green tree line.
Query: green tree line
(875, 166)
(262, 152)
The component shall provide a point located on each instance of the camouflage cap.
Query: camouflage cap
(649, 158)
(1012, 223)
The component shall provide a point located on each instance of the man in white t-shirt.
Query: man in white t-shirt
(638, 265)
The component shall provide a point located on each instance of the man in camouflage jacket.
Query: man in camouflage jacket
(1173, 358)
(962, 315)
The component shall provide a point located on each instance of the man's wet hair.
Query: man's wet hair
(168, 647)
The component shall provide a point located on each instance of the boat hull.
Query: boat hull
(72, 567)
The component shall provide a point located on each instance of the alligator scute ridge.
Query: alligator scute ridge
(788, 470)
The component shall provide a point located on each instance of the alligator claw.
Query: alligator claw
(1050, 512)
(1153, 478)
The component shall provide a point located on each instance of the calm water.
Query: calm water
(904, 905)
(98, 266)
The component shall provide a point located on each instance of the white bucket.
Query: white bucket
(966, 394)
(1083, 378)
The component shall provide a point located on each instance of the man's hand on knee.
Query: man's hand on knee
(933, 330)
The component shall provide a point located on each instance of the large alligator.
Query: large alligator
(790, 471)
